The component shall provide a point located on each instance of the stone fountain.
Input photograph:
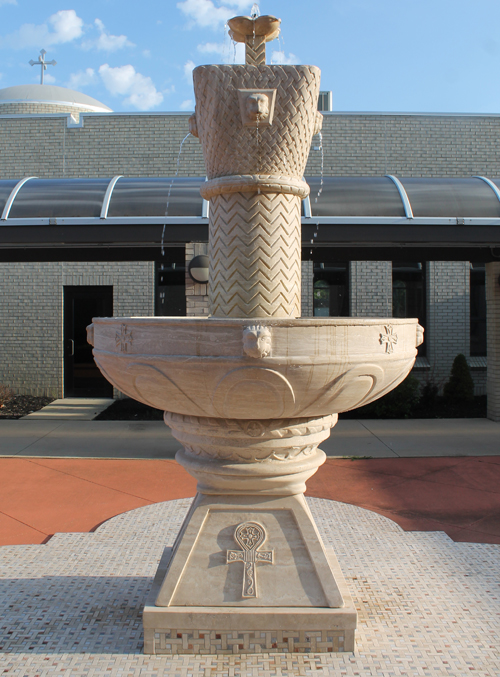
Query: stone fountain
(251, 391)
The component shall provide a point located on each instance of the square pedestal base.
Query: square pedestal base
(223, 630)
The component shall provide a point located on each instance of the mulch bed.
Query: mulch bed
(438, 408)
(127, 409)
(22, 405)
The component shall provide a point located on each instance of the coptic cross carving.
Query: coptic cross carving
(250, 536)
(123, 338)
(389, 338)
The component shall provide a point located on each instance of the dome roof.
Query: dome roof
(52, 96)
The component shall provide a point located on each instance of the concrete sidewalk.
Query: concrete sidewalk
(60, 438)
(71, 408)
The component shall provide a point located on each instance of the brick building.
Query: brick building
(65, 135)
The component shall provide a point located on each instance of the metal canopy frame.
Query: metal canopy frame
(459, 236)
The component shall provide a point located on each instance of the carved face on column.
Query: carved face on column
(257, 107)
(257, 341)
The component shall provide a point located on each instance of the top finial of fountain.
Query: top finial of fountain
(254, 31)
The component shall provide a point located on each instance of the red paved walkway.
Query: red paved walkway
(42, 496)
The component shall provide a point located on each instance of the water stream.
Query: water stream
(169, 191)
(322, 166)
(320, 190)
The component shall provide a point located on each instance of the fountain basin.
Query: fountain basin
(237, 369)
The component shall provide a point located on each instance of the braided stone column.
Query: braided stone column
(255, 251)
(255, 124)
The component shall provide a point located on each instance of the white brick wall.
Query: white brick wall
(196, 294)
(448, 315)
(31, 315)
(307, 307)
(355, 144)
(370, 288)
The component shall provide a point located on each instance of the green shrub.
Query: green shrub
(460, 387)
(429, 395)
(399, 403)
(5, 395)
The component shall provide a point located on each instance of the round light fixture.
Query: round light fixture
(198, 269)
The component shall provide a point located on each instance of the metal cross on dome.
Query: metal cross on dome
(250, 536)
(41, 62)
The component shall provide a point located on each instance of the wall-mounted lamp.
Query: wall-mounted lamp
(198, 269)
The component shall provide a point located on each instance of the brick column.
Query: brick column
(307, 309)
(196, 294)
(493, 339)
(370, 288)
(448, 315)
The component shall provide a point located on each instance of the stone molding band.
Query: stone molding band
(253, 183)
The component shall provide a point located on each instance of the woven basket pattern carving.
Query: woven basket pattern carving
(281, 148)
(255, 248)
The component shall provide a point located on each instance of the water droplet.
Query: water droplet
(169, 191)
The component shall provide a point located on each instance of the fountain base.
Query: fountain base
(231, 585)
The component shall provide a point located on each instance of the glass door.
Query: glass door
(82, 378)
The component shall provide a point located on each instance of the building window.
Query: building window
(330, 294)
(477, 310)
(408, 293)
(170, 286)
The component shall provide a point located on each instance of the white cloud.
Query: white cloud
(82, 79)
(49, 79)
(146, 53)
(125, 81)
(106, 42)
(8, 2)
(279, 57)
(67, 26)
(64, 26)
(212, 48)
(187, 105)
(188, 70)
(206, 14)
(228, 51)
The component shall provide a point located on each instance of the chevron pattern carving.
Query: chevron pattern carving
(279, 149)
(255, 50)
(255, 246)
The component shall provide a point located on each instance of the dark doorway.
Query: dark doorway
(82, 378)
(477, 309)
(170, 288)
(331, 290)
(408, 293)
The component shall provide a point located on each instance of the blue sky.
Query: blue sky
(375, 55)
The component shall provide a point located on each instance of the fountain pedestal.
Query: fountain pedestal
(249, 572)
(285, 594)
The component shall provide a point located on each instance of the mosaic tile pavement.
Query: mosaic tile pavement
(427, 605)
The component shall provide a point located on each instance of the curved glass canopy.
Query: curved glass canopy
(354, 196)
(381, 198)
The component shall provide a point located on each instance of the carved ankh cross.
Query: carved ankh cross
(249, 536)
